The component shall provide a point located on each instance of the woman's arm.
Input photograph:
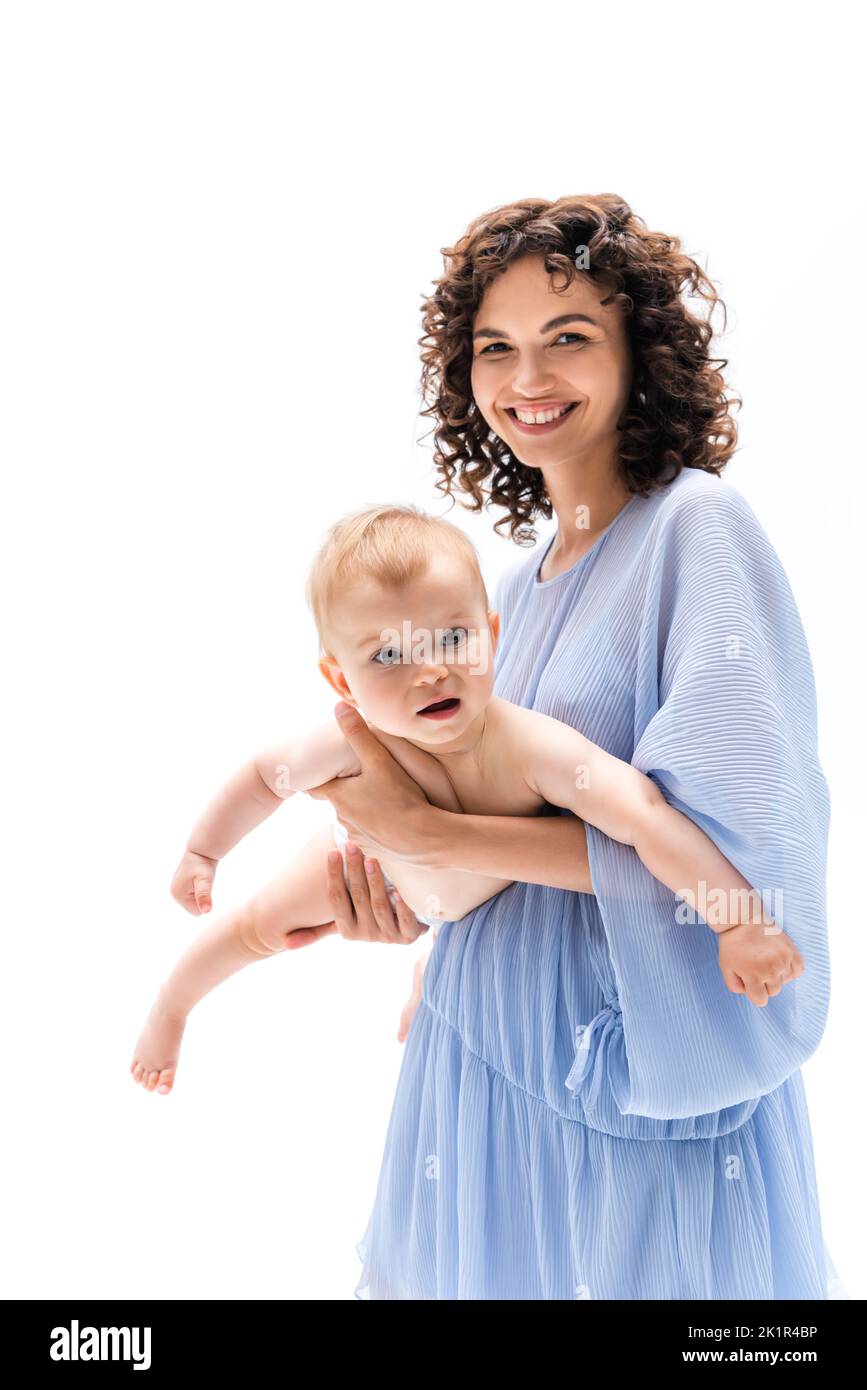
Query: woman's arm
(386, 812)
(551, 850)
(561, 765)
(363, 911)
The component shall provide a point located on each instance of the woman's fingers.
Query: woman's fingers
(380, 904)
(393, 918)
(339, 899)
(349, 897)
(409, 926)
(362, 907)
(373, 910)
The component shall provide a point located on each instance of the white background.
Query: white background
(218, 224)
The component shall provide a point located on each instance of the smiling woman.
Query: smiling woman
(537, 416)
(615, 342)
(583, 1110)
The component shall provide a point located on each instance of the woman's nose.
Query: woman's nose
(532, 377)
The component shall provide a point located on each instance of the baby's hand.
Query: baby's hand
(757, 961)
(191, 885)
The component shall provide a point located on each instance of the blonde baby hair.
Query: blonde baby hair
(390, 544)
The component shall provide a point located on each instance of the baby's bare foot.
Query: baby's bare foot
(155, 1060)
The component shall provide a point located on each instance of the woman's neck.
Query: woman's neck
(585, 499)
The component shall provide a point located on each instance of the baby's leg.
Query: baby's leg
(298, 897)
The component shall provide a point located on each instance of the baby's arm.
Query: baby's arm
(259, 787)
(252, 794)
(568, 770)
(445, 893)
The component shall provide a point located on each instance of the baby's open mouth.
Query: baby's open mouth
(440, 708)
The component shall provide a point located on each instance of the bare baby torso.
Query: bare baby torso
(487, 780)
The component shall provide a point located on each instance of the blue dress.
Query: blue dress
(583, 1109)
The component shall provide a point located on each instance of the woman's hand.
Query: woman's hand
(363, 912)
(382, 808)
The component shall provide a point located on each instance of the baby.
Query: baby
(407, 636)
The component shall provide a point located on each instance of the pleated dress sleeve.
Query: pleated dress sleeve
(725, 724)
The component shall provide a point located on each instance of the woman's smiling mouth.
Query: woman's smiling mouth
(541, 419)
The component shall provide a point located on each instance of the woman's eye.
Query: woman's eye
(580, 337)
(392, 653)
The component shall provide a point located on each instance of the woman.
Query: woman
(583, 1109)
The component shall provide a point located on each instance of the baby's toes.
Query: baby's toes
(137, 1070)
(152, 1079)
(167, 1081)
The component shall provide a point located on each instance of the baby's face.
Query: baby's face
(398, 652)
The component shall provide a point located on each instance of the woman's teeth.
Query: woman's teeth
(540, 417)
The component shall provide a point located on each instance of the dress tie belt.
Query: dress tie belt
(607, 1019)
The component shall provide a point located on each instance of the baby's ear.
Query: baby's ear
(334, 676)
(494, 621)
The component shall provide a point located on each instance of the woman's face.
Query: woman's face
(536, 351)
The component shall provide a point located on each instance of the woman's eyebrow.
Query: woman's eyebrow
(546, 327)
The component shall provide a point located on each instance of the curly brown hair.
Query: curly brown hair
(677, 415)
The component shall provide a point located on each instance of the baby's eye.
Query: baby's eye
(457, 632)
(392, 655)
(389, 656)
